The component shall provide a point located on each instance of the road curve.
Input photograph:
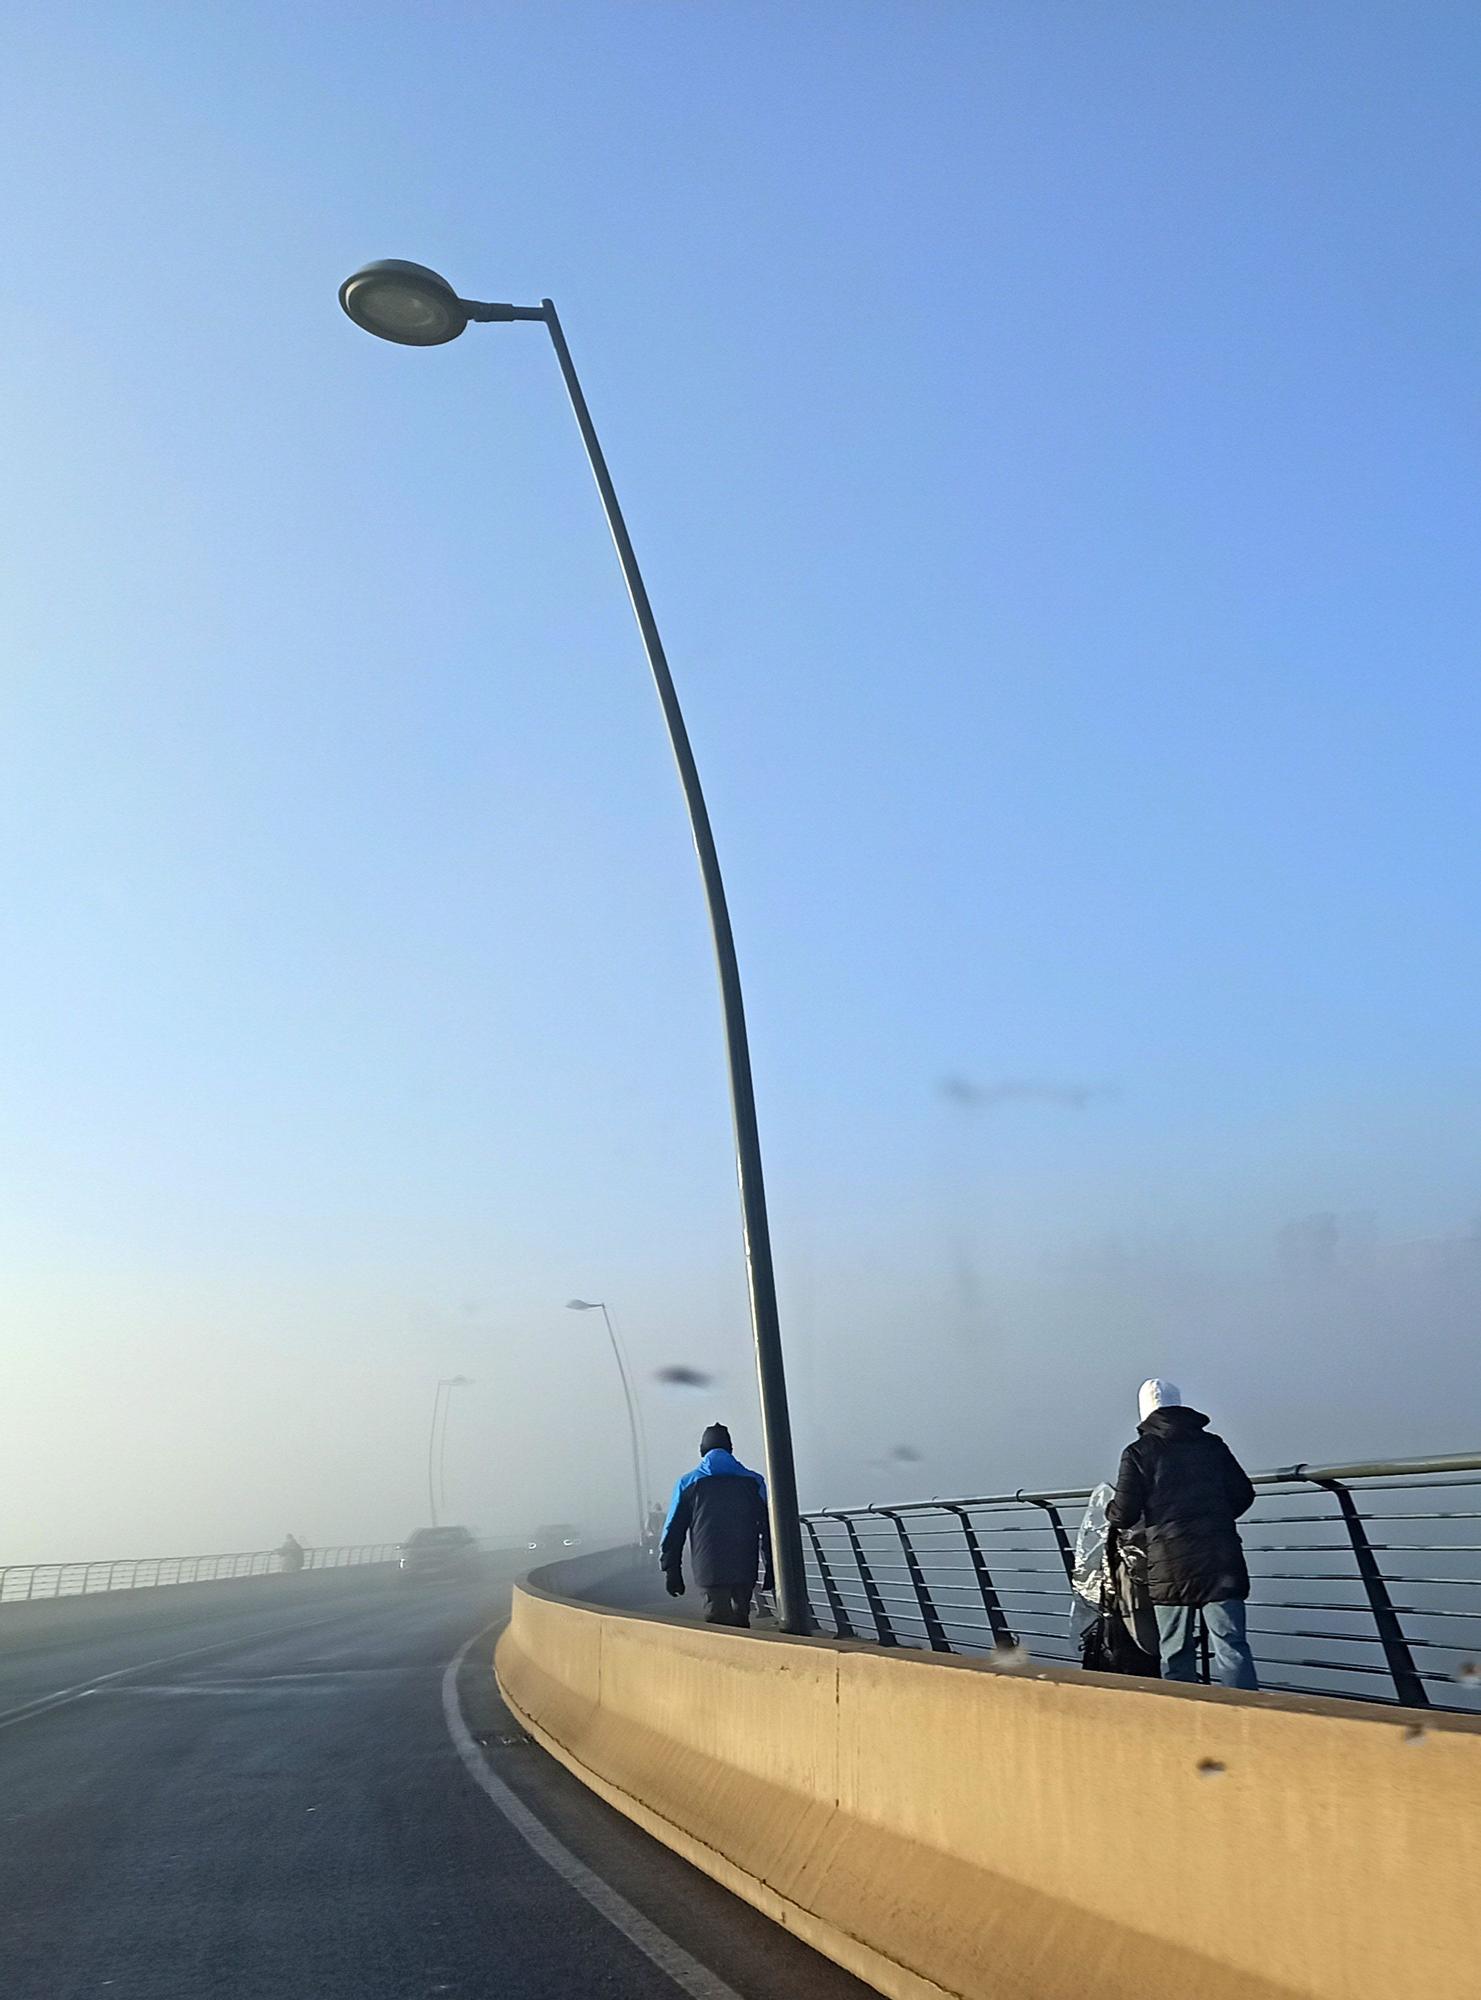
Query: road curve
(273, 1805)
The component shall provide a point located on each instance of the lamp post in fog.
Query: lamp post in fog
(413, 306)
(444, 1390)
(640, 1498)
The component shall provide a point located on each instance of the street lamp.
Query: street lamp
(448, 1383)
(639, 1496)
(414, 306)
(456, 1382)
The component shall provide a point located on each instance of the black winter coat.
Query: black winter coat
(1189, 1489)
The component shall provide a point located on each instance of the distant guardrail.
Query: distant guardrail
(1365, 1578)
(26, 1582)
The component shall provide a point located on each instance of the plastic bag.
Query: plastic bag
(1090, 1544)
(1090, 1561)
(1113, 1627)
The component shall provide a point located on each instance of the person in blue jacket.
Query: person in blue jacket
(721, 1507)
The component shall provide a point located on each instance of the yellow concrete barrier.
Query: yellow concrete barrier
(940, 1827)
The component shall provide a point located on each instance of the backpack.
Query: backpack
(1108, 1646)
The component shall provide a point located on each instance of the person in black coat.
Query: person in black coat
(720, 1507)
(1186, 1487)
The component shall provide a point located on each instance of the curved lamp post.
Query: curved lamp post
(447, 1384)
(640, 1499)
(409, 304)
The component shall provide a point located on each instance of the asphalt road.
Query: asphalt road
(273, 1805)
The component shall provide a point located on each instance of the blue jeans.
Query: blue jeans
(1177, 1637)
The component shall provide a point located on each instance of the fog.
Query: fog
(1053, 461)
(1301, 1347)
(154, 1416)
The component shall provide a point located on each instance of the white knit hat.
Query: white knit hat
(1155, 1394)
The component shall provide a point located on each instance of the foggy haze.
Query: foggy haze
(1085, 697)
(178, 1420)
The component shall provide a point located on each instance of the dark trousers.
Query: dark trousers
(729, 1606)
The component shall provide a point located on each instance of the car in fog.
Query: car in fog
(554, 1539)
(434, 1554)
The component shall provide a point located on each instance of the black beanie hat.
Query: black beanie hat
(716, 1438)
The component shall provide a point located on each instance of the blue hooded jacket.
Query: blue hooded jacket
(721, 1507)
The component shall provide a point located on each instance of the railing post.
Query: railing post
(1408, 1686)
(935, 1631)
(1061, 1537)
(836, 1609)
(871, 1589)
(991, 1603)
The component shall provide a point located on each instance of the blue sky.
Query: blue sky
(1050, 435)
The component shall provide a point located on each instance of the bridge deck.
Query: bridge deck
(269, 1803)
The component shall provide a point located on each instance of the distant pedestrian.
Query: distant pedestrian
(291, 1553)
(1188, 1489)
(721, 1507)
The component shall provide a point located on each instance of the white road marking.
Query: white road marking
(671, 1959)
(175, 1690)
(315, 1674)
(325, 1680)
(62, 1697)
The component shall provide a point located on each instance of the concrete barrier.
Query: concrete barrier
(594, 1575)
(940, 1827)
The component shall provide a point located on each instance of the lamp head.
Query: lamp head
(583, 1305)
(403, 302)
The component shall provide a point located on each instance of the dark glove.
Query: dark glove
(673, 1583)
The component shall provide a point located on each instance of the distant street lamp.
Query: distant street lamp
(447, 1384)
(409, 304)
(640, 1498)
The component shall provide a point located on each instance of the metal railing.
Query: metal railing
(1365, 1578)
(26, 1582)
